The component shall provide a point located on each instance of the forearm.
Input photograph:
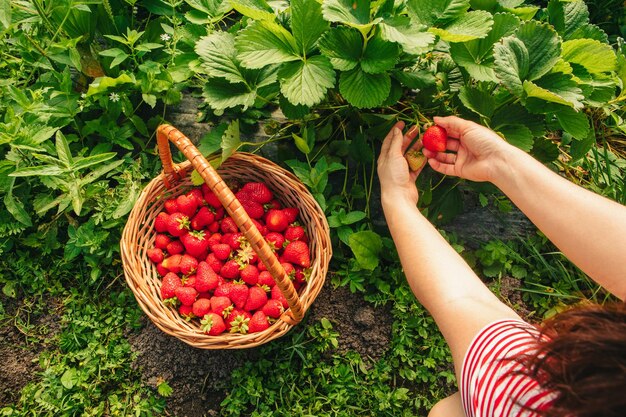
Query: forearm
(441, 280)
(589, 229)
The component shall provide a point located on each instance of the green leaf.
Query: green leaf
(254, 9)
(518, 135)
(545, 150)
(100, 171)
(355, 13)
(219, 56)
(580, 148)
(413, 38)
(511, 64)
(230, 140)
(69, 378)
(211, 142)
(556, 88)
(437, 12)
(307, 23)
(567, 16)
(63, 150)
(301, 144)
(590, 32)
(379, 56)
(220, 94)
(573, 122)
(5, 13)
(16, 208)
(364, 90)
(366, 246)
(306, 82)
(292, 111)
(343, 46)
(264, 43)
(478, 101)
(102, 84)
(82, 163)
(594, 56)
(543, 45)
(472, 25)
(37, 171)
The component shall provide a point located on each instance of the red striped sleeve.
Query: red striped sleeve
(490, 384)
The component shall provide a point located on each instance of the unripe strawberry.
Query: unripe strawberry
(435, 139)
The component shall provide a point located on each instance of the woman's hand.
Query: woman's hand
(477, 152)
(396, 181)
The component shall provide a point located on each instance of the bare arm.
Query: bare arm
(589, 229)
(440, 279)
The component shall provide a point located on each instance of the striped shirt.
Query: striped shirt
(490, 386)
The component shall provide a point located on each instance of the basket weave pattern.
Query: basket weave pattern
(138, 236)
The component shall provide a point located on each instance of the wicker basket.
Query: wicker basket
(138, 237)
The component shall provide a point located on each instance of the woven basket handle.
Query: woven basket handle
(166, 133)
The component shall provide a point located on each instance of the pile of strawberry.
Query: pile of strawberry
(209, 270)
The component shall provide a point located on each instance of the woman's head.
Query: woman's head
(584, 361)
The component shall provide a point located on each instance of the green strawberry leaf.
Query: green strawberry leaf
(511, 64)
(307, 23)
(355, 13)
(221, 94)
(436, 12)
(343, 46)
(219, 57)
(413, 38)
(306, 82)
(472, 25)
(254, 9)
(366, 246)
(264, 43)
(518, 135)
(556, 88)
(573, 122)
(230, 140)
(379, 56)
(594, 56)
(543, 45)
(567, 17)
(364, 90)
(480, 102)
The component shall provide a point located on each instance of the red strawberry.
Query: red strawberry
(221, 305)
(261, 266)
(260, 226)
(301, 276)
(289, 269)
(214, 239)
(254, 209)
(230, 270)
(172, 263)
(249, 274)
(195, 243)
(161, 241)
(177, 224)
(160, 222)
(223, 289)
(210, 197)
(273, 308)
(190, 281)
(187, 205)
(265, 278)
(274, 204)
(278, 295)
(204, 217)
(256, 299)
(201, 307)
(206, 278)
(221, 251)
(197, 194)
(171, 206)
(214, 263)
(169, 283)
(258, 322)
(297, 252)
(186, 312)
(156, 255)
(237, 321)
(295, 233)
(258, 192)
(233, 240)
(291, 213)
(219, 213)
(276, 240)
(186, 295)
(276, 221)
(238, 294)
(212, 324)
(228, 225)
(188, 264)
(175, 247)
(435, 139)
(214, 227)
(161, 270)
(205, 294)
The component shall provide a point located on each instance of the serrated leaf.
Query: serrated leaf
(478, 101)
(307, 23)
(567, 16)
(220, 94)
(230, 140)
(511, 63)
(219, 56)
(292, 111)
(518, 135)
(573, 122)
(366, 246)
(254, 9)
(196, 178)
(516, 113)
(379, 56)
(436, 12)
(556, 88)
(5, 13)
(343, 46)
(17, 210)
(355, 13)
(416, 80)
(590, 32)
(364, 90)
(594, 56)
(545, 150)
(543, 45)
(472, 25)
(264, 43)
(306, 82)
(413, 38)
